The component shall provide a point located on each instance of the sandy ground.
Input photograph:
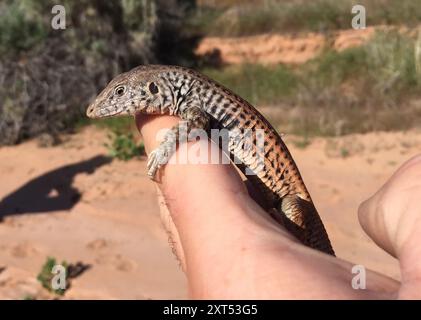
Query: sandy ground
(71, 203)
(289, 48)
(280, 48)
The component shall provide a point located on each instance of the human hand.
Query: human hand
(231, 249)
(392, 218)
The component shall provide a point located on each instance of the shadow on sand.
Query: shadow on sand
(51, 191)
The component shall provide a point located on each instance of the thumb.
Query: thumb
(392, 218)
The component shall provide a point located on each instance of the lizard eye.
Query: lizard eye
(153, 88)
(119, 91)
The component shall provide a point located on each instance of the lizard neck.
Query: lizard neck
(177, 92)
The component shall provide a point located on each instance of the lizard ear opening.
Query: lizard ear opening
(153, 88)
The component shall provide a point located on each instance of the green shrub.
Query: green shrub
(48, 77)
(18, 31)
(45, 276)
(124, 147)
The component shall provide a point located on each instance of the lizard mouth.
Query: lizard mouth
(92, 113)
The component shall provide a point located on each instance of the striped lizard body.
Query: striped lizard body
(202, 103)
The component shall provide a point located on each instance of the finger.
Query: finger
(372, 220)
(199, 178)
(385, 216)
(150, 125)
(392, 219)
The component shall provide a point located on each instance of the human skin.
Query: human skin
(230, 248)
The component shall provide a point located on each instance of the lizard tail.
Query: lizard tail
(300, 217)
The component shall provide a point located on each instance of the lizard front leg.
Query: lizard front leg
(192, 118)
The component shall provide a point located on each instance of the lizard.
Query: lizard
(203, 103)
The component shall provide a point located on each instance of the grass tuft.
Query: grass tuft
(45, 276)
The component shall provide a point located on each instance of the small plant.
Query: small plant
(46, 275)
(124, 147)
(302, 143)
(345, 153)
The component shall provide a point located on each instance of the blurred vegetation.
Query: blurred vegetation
(124, 147)
(241, 18)
(19, 31)
(257, 83)
(372, 87)
(48, 77)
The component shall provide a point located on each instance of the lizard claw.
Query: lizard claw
(156, 160)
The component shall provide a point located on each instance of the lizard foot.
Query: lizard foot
(156, 160)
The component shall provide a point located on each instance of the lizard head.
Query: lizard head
(129, 93)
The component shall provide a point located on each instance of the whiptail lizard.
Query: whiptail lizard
(204, 104)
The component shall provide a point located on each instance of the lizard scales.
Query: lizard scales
(204, 103)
